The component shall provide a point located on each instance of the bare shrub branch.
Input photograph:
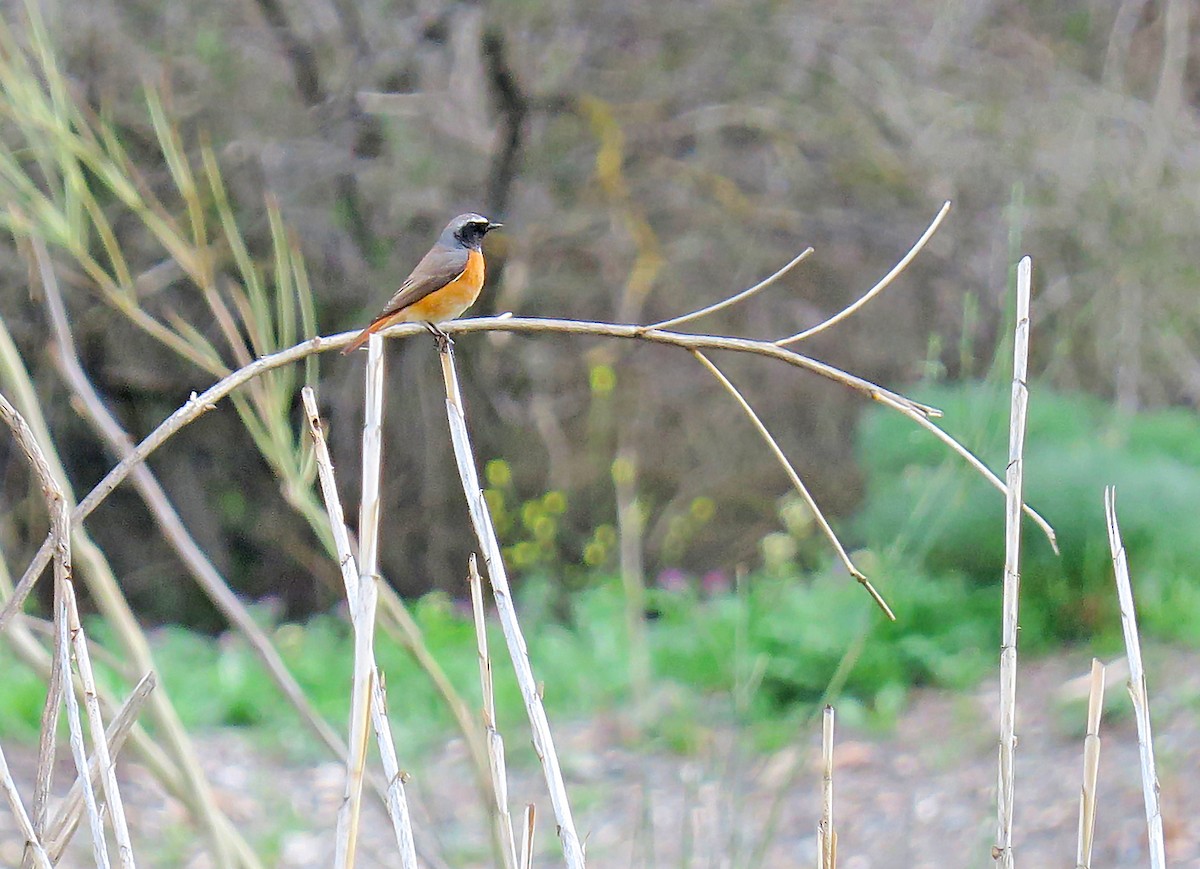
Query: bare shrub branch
(201, 403)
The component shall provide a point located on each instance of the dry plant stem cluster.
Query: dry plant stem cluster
(1137, 684)
(171, 756)
(206, 575)
(485, 531)
(1002, 851)
(397, 803)
(70, 638)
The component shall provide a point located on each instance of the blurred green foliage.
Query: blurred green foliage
(921, 502)
(775, 647)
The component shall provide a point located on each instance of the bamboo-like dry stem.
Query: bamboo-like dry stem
(1091, 768)
(527, 838)
(797, 482)
(200, 404)
(59, 833)
(1137, 684)
(826, 832)
(397, 803)
(495, 742)
(365, 673)
(1002, 851)
(734, 299)
(485, 531)
(33, 844)
(875, 290)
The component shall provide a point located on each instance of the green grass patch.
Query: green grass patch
(946, 518)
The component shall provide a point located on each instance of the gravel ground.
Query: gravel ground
(921, 795)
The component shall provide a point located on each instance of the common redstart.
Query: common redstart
(444, 284)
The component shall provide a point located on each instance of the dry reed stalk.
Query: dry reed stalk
(63, 826)
(33, 844)
(1091, 768)
(543, 741)
(826, 833)
(1002, 851)
(93, 409)
(527, 838)
(367, 705)
(363, 619)
(734, 299)
(1137, 684)
(798, 483)
(495, 742)
(397, 803)
(875, 290)
(201, 403)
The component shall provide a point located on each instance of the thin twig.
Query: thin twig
(495, 742)
(875, 290)
(397, 803)
(67, 818)
(1137, 683)
(1002, 851)
(826, 833)
(200, 404)
(485, 531)
(734, 299)
(1091, 768)
(33, 844)
(798, 483)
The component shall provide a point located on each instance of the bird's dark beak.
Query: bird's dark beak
(492, 226)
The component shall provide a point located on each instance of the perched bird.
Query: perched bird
(445, 282)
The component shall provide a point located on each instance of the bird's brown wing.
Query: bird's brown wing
(436, 269)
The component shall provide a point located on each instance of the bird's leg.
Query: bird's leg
(443, 341)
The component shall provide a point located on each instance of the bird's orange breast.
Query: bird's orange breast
(451, 300)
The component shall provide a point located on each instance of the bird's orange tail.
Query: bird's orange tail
(363, 336)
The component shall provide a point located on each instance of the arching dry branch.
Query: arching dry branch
(201, 403)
